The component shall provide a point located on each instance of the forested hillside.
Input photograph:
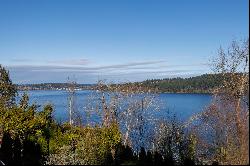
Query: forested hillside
(205, 83)
(199, 84)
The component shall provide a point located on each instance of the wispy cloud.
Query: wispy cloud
(168, 66)
(69, 62)
(140, 70)
(80, 68)
(133, 64)
(21, 60)
(159, 72)
(149, 67)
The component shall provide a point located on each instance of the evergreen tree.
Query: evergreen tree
(7, 89)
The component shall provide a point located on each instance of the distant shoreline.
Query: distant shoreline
(207, 93)
(203, 84)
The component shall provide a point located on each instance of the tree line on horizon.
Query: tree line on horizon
(205, 83)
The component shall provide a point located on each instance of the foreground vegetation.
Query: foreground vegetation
(219, 135)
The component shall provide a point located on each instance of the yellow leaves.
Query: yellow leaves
(20, 121)
(38, 133)
(91, 144)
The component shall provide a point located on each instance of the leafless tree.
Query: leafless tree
(74, 114)
(129, 105)
(223, 128)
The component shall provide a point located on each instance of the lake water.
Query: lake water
(182, 105)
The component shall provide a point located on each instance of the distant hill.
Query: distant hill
(199, 84)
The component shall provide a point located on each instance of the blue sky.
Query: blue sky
(118, 40)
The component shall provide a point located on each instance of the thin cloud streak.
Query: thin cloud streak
(128, 66)
(67, 68)
(69, 62)
(21, 60)
(153, 72)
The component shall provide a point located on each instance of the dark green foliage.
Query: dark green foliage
(22, 126)
(157, 158)
(22, 129)
(123, 154)
(15, 152)
(142, 156)
(199, 84)
(6, 151)
(7, 89)
(32, 153)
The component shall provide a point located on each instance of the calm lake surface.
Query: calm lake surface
(182, 105)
